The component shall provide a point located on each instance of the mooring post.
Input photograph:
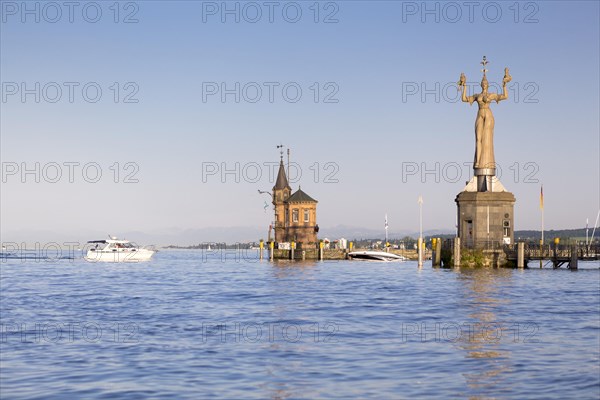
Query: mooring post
(303, 255)
(456, 252)
(271, 248)
(420, 252)
(438, 252)
(262, 248)
(521, 255)
(292, 248)
(555, 252)
(573, 262)
(321, 251)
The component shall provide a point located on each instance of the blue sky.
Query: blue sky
(369, 61)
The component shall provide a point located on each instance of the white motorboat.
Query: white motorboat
(369, 255)
(117, 250)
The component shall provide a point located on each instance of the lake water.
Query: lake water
(188, 325)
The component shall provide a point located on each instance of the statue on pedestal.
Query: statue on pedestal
(485, 208)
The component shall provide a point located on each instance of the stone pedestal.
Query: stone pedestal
(485, 219)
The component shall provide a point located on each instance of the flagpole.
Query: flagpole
(542, 240)
(421, 218)
(595, 225)
(586, 231)
(542, 226)
(386, 233)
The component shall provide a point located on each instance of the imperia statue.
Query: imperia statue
(484, 124)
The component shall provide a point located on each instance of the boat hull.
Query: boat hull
(128, 255)
(380, 256)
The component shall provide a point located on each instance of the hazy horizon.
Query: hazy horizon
(191, 237)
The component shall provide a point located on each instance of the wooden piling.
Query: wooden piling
(262, 248)
(420, 252)
(555, 253)
(321, 251)
(292, 248)
(456, 252)
(436, 258)
(271, 248)
(573, 262)
(521, 255)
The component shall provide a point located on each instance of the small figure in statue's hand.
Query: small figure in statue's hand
(463, 80)
(507, 77)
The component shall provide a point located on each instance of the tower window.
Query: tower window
(295, 215)
(306, 216)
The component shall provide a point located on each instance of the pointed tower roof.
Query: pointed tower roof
(300, 197)
(281, 182)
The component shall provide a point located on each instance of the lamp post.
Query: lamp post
(272, 223)
(420, 241)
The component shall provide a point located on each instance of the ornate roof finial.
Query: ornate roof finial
(280, 146)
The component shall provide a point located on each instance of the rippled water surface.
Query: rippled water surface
(182, 326)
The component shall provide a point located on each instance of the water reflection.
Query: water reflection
(286, 272)
(285, 353)
(484, 334)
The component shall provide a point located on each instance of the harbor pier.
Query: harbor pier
(321, 253)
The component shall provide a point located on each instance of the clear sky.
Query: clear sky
(378, 107)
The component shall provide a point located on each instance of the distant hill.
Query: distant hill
(560, 233)
(355, 232)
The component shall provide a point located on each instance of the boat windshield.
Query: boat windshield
(121, 246)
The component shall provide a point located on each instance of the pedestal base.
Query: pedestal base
(485, 219)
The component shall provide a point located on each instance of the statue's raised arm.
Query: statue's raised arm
(507, 78)
(463, 82)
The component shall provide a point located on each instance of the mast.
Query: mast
(386, 231)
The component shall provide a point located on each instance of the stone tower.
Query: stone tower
(295, 214)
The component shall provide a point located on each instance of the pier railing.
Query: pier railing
(548, 251)
(559, 254)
